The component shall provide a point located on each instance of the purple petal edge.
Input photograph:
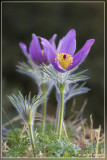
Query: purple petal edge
(41, 57)
(23, 47)
(81, 54)
(69, 43)
(35, 50)
(52, 41)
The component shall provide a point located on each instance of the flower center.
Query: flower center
(64, 56)
(64, 59)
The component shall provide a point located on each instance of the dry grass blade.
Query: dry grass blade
(98, 137)
(84, 134)
(23, 130)
(91, 137)
(81, 110)
(65, 129)
(16, 118)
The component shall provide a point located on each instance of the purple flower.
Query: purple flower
(63, 58)
(37, 54)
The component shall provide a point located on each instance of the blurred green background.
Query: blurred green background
(20, 20)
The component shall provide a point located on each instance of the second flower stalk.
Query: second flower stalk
(44, 112)
(31, 132)
(61, 88)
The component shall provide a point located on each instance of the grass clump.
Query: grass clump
(51, 146)
(17, 144)
(48, 145)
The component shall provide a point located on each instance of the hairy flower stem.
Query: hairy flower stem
(32, 138)
(61, 110)
(57, 118)
(30, 125)
(44, 114)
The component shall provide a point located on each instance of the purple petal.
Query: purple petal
(45, 58)
(59, 45)
(81, 54)
(52, 41)
(23, 48)
(35, 50)
(49, 50)
(34, 36)
(51, 54)
(42, 56)
(69, 43)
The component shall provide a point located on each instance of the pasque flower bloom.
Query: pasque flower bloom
(37, 54)
(63, 58)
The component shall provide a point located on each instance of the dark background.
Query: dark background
(20, 20)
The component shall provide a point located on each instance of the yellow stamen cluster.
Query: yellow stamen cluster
(64, 59)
